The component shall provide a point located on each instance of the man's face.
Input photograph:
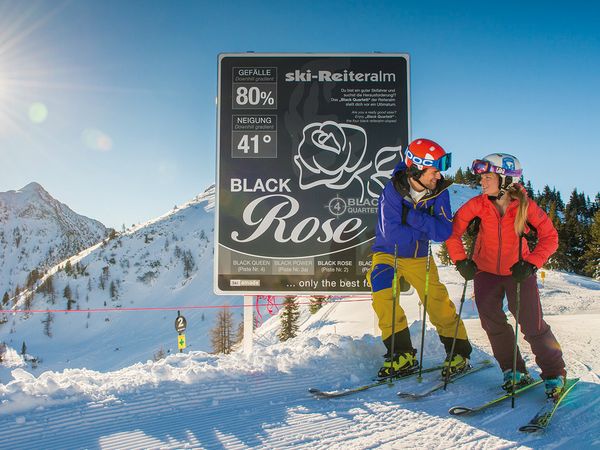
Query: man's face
(430, 178)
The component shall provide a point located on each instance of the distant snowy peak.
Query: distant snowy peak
(34, 205)
(37, 231)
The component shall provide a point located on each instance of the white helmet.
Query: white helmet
(506, 166)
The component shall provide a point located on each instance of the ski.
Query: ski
(379, 382)
(439, 384)
(542, 419)
(465, 410)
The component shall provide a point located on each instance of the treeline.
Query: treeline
(577, 223)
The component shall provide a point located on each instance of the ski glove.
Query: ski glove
(467, 268)
(522, 270)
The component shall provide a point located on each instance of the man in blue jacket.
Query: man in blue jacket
(414, 208)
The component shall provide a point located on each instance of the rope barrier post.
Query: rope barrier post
(248, 323)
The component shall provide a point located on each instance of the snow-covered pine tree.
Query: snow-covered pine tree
(68, 294)
(32, 277)
(289, 318)
(188, 263)
(316, 303)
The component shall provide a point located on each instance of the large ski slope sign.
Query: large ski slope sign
(305, 144)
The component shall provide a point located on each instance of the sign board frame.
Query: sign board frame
(305, 144)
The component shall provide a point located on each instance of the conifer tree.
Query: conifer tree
(459, 176)
(529, 189)
(592, 254)
(114, 293)
(47, 288)
(68, 267)
(48, 324)
(28, 301)
(443, 255)
(289, 319)
(5, 299)
(468, 239)
(188, 263)
(573, 236)
(32, 277)
(595, 207)
(68, 294)
(316, 303)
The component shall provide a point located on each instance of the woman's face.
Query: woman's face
(490, 183)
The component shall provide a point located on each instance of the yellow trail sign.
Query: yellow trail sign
(181, 341)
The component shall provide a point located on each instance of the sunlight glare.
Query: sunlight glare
(96, 140)
(38, 113)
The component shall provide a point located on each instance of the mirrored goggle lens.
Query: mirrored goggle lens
(443, 163)
(478, 167)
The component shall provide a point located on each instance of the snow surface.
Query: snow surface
(199, 400)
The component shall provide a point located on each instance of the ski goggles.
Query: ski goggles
(480, 166)
(440, 164)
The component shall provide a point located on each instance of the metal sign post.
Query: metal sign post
(248, 323)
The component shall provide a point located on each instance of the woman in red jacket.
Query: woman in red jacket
(506, 214)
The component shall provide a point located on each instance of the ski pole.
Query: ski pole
(516, 347)
(394, 301)
(475, 222)
(419, 377)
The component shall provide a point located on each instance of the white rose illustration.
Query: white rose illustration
(331, 154)
(385, 161)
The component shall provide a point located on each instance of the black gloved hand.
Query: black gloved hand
(522, 270)
(467, 268)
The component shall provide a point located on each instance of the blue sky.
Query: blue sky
(110, 105)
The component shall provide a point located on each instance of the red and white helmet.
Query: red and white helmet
(424, 153)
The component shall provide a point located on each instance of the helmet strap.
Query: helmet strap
(505, 183)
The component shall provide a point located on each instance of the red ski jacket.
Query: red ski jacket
(497, 244)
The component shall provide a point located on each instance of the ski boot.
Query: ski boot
(521, 379)
(401, 364)
(458, 364)
(554, 386)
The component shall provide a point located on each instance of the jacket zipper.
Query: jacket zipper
(417, 242)
(499, 245)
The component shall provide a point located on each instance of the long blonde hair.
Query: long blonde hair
(518, 193)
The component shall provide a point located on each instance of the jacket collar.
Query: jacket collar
(400, 180)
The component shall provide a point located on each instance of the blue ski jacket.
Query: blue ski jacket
(429, 219)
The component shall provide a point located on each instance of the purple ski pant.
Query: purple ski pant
(489, 294)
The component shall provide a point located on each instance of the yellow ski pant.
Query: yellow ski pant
(440, 308)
